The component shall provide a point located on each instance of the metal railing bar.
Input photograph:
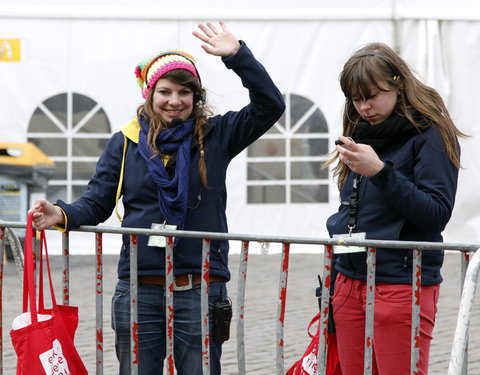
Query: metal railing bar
(282, 299)
(416, 303)
(133, 306)
(99, 302)
(420, 245)
(324, 309)
(2, 240)
(242, 282)
(369, 311)
(459, 349)
(204, 306)
(464, 315)
(169, 304)
(465, 260)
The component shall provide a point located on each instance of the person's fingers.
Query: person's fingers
(213, 28)
(205, 30)
(207, 48)
(202, 37)
(224, 27)
(37, 206)
(344, 151)
(344, 159)
(38, 220)
(37, 216)
(347, 142)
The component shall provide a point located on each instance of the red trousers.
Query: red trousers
(392, 326)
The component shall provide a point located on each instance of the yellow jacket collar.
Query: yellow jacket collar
(131, 130)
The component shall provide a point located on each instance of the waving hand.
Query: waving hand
(217, 42)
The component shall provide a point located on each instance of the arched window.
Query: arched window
(72, 129)
(284, 165)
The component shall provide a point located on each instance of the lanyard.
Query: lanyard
(353, 204)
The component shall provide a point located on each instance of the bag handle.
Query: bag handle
(28, 278)
(29, 290)
(43, 247)
(315, 319)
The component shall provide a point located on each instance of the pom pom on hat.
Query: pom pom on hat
(148, 72)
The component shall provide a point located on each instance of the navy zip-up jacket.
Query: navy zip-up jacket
(410, 199)
(226, 136)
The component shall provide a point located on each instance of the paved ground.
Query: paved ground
(261, 309)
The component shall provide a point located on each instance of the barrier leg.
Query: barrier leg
(282, 299)
(242, 281)
(464, 314)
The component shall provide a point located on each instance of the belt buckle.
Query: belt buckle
(181, 288)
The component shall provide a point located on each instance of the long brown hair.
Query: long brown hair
(379, 65)
(200, 112)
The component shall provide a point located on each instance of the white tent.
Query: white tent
(91, 47)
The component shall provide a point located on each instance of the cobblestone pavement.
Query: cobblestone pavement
(260, 315)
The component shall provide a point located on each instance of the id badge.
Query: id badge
(341, 249)
(160, 241)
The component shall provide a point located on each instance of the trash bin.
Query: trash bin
(24, 174)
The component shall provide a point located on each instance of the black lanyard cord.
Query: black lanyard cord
(353, 204)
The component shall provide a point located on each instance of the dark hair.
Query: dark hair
(200, 113)
(379, 65)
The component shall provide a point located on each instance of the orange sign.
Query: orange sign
(10, 50)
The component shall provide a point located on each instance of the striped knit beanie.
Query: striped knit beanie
(148, 72)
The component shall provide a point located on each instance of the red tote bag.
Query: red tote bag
(44, 338)
(307, 364)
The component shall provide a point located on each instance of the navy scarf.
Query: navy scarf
(172, 192)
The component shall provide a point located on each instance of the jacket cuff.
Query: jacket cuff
(382, 174)
(62, 227)
(229, 61)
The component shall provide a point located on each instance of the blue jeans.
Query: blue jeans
(151, 328)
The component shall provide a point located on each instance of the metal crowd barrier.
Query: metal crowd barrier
(458, 360)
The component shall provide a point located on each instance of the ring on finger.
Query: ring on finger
(348, 163)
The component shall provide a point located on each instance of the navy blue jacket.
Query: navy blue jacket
(411, 199)
(226, 136)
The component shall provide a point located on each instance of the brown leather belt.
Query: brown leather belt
(181, 282)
